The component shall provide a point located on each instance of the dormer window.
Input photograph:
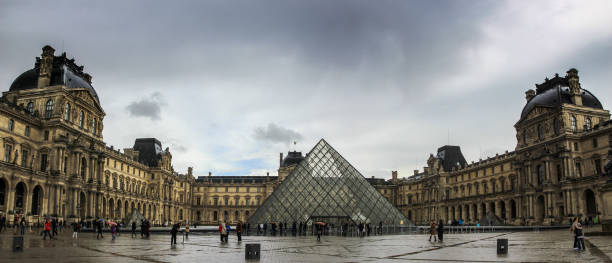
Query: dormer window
(93, 127)
(67, 112)
(573, 124)
(588, 123)
(540, 132)
(81, 118)
(30, 107)
(49, 109)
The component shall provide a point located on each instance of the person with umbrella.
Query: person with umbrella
(175, 229)
(320, 226)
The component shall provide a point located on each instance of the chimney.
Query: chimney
(46, 65)
(190, 171)
(529, 94)
(281, 160)
(394, 175)
(574, 85)
(416, 172)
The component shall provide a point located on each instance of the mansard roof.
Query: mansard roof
(64, 72)
(554, 92)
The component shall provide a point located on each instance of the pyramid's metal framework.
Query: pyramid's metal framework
(326, 187)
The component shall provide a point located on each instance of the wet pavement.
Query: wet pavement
(543, 246)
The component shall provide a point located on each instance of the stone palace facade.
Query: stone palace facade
(54, 162)
(555, 172)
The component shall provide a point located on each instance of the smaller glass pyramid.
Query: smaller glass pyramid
(325, 187)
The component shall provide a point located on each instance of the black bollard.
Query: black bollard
(253, 251)
(502, 246)
(18, 244)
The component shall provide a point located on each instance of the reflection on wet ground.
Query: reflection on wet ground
(543, 246)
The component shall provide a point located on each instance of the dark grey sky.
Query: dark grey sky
(229, 84)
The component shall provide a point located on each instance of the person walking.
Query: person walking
(22, 226)
(239, 230)
(222, 231)
(47, 231)
(54, 227)
(100, 226)
(113, 230)
(440, 230)
(2, 222)
(433, 232)
(227, 231)
(175, 229)
(579, 237)
(133, 229)
(187, 231)
(75, 230)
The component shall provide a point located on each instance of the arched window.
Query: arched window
(93, 126)
(81, 118)
(30, 107)
(588, 124)
(67, 112)
(540, 131)
(573, 125)
(49, 109)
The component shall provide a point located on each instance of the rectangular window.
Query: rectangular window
(24, 158)
(27, 131)
(226, 189)
(43, 162)
(11, 125)
(237, 189)
(7, 153)
(597, 166)
(559, 174)
(66, 165)
(576, 146)
(198, 200)
(578, 170)
(595, 142)
(46, 137)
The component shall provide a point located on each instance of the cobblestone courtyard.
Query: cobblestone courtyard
(543, 246)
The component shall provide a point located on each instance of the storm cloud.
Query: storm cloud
(147, 107)
(276, 134)
(384, 82)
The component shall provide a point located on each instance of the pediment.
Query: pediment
(87, 97)
(537, 111)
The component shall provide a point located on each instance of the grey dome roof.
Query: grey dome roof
(64, 72)
(555, 92)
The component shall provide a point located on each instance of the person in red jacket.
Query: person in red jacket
(47, 230)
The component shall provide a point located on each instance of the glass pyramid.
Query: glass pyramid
(325, 187)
